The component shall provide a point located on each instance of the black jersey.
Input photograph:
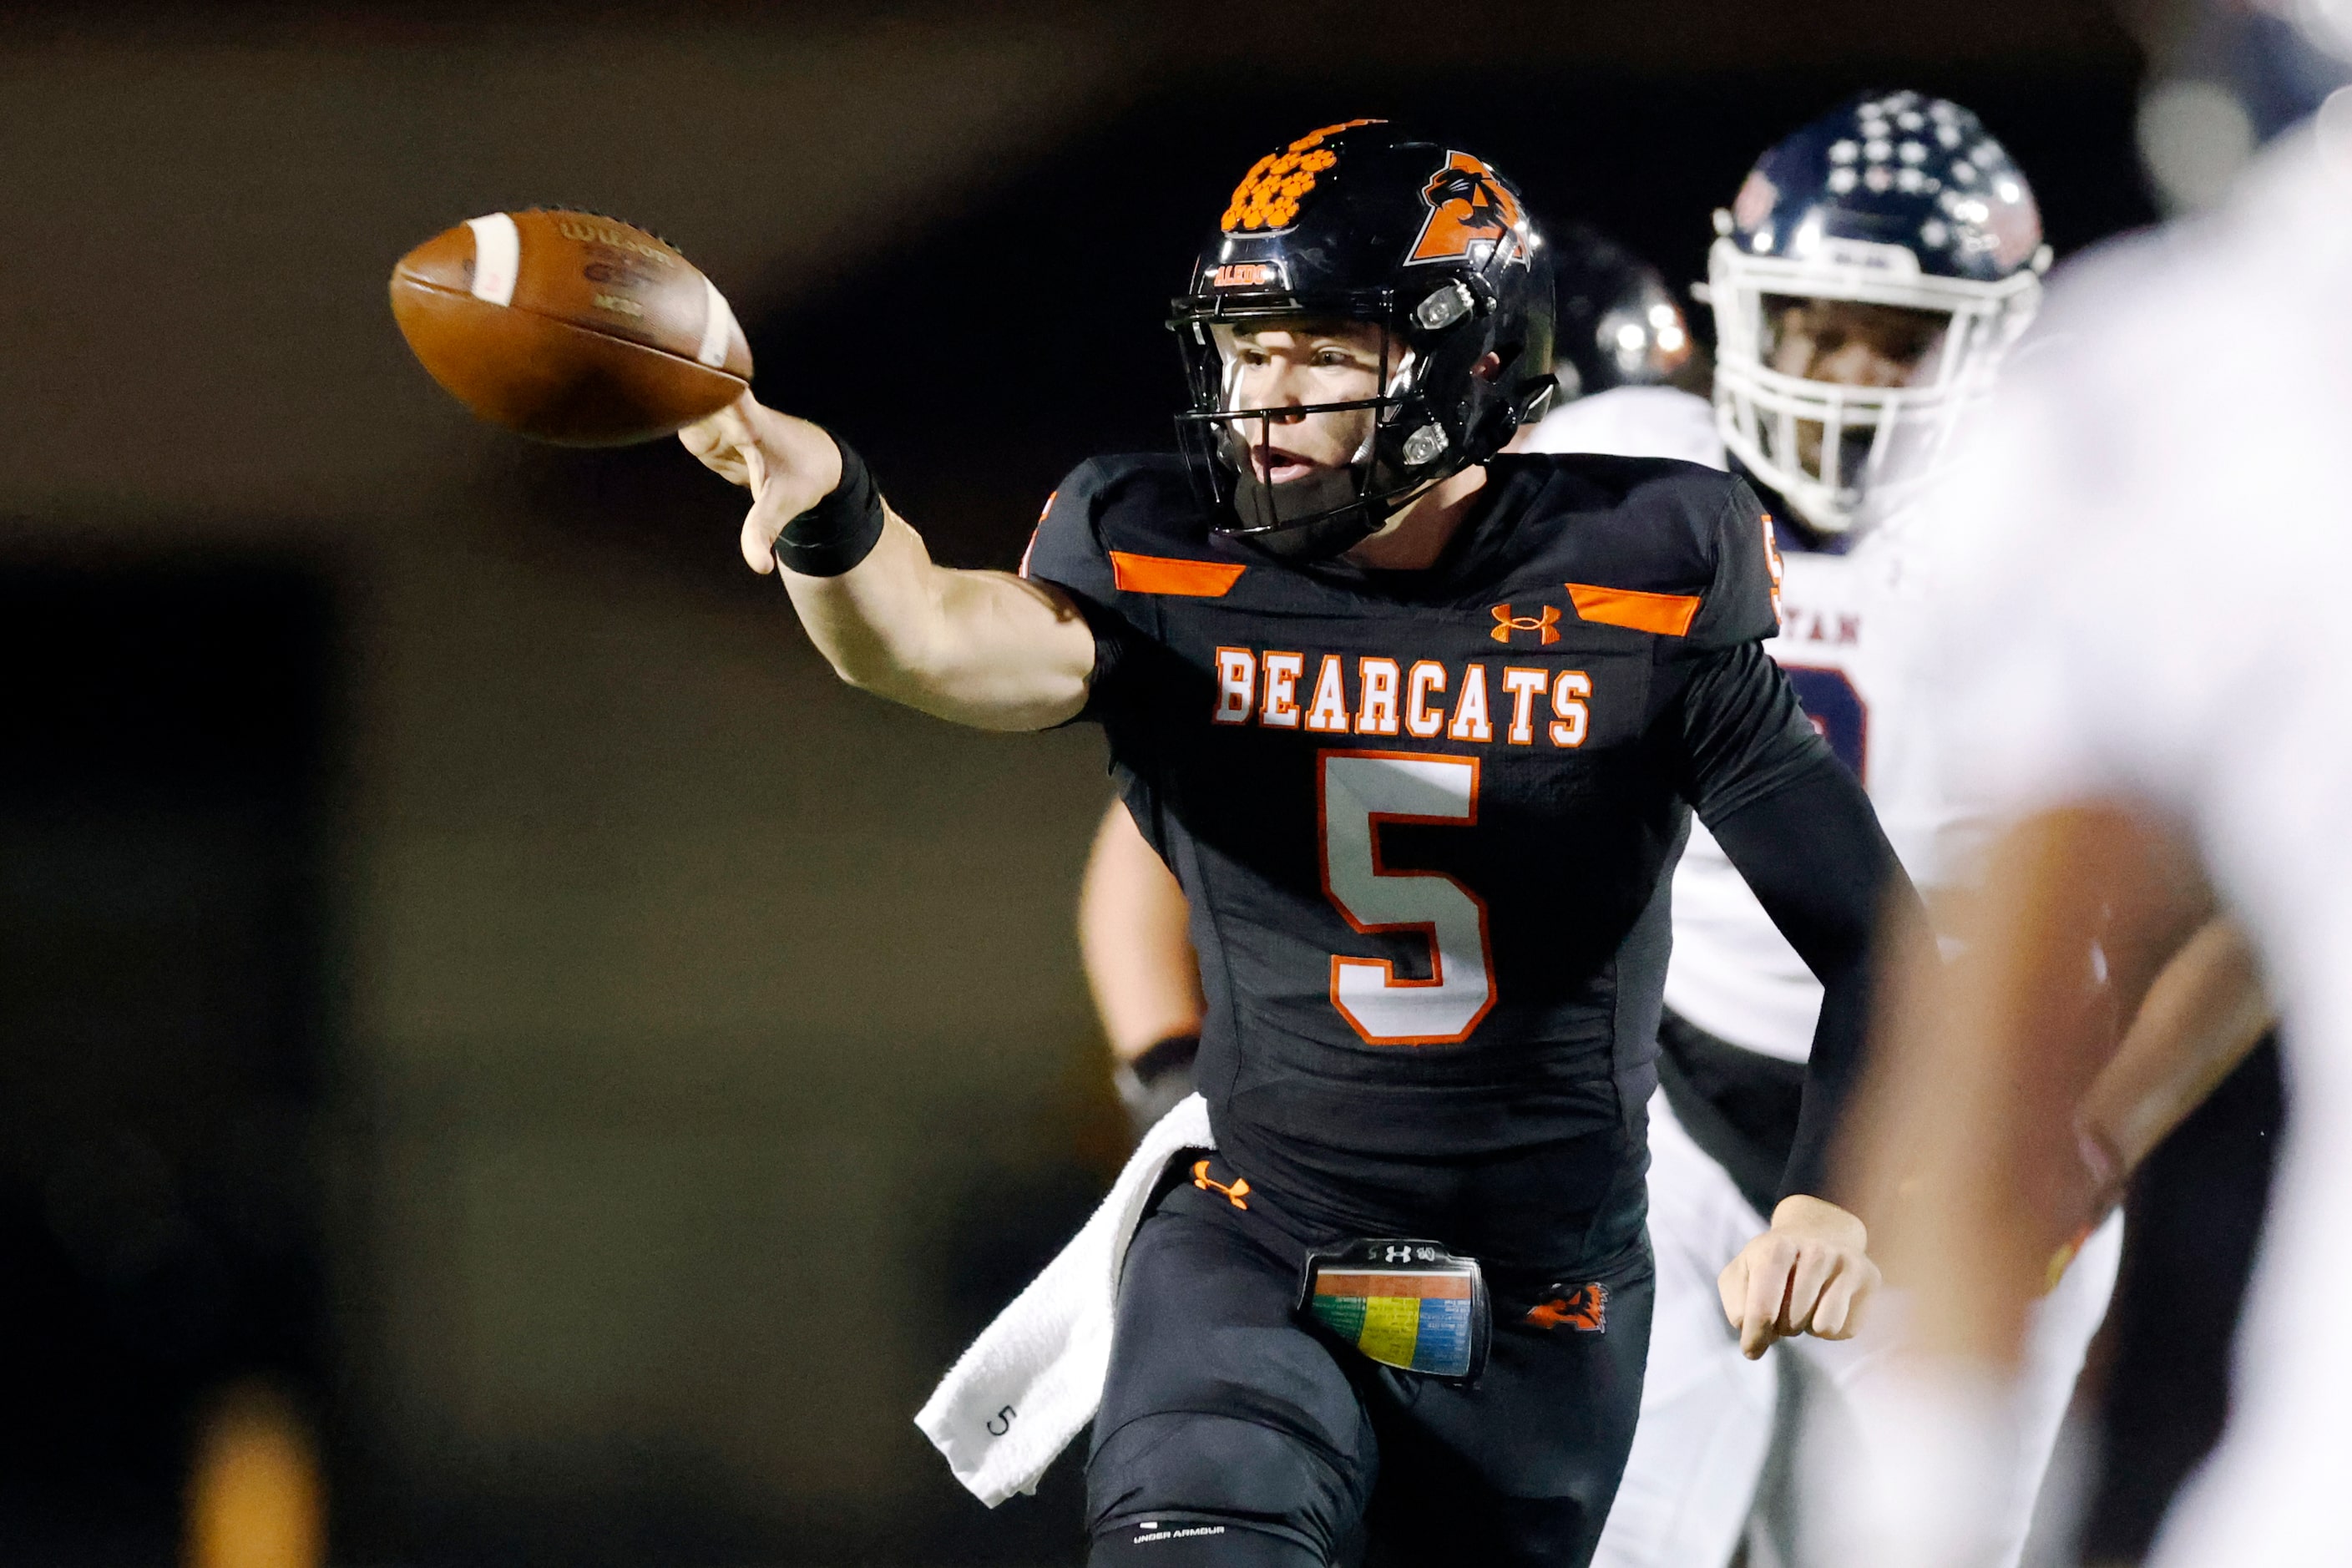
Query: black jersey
(1422, 818)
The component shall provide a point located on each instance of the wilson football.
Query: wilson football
(569, 327)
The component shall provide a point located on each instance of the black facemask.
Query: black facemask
(1332, 513)
(1345, 522)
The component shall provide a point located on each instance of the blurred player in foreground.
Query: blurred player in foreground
(2141, 656)
(1418, 728)
(1866, 282)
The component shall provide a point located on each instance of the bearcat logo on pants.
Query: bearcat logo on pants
(1584, 1307)
(1267, 198)
(1469, 206)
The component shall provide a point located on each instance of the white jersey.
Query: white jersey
(1846, 622)
(1630, 422)
(1844, 619)
(2147, 559)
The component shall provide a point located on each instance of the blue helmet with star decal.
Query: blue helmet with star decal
(1893, 199)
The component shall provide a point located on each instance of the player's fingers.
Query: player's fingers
(755, 469)
(1732, 1286)
(1840, 1314)
(718, 443)
(1770, 1259)
(1757, 1330)
(1816, 1265)
(1769, 1276)
(1833, 1311)
(759, 543)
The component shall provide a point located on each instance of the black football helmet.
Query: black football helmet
(1358, 222)
(1619, 323)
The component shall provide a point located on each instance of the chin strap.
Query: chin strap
(1327, 492)
(1331, 513)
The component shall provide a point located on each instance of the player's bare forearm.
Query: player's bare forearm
(983, 648)
(1132, 934)
(2207, 1008)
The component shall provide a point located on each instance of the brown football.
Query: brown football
(569, 327)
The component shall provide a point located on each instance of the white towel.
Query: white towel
(1034, 1376)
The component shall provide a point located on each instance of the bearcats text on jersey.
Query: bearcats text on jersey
(1397, 696)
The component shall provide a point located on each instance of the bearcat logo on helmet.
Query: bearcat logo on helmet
(1469, 207)
(1267, 198)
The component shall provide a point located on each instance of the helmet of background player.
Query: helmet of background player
(1619, 323)
(1429, 245)
(1896, 201)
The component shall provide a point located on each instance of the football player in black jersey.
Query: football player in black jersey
(1419, 728)
(1620, 345)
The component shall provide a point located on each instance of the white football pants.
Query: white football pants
(1708, 1413)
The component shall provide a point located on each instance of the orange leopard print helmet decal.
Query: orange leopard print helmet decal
(1268, 197)
(1468, 203)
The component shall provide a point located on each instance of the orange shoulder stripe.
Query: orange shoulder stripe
(1167, 574)
(1669, 614)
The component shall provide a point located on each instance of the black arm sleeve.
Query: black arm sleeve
(1801, 831)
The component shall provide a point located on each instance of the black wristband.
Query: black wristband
(1151, 1084)
(1162, 1057)
(839, 531)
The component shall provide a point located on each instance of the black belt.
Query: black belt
(1740, 1106)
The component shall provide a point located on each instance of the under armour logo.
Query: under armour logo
(1208, 1184)
(1400, 1254)
(1544, 625)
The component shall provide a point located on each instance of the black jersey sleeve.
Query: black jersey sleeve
(1742, 600)
(1803, 833)
(1819, 863)
(1068, 551)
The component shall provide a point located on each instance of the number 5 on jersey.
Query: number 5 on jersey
(1357, 792)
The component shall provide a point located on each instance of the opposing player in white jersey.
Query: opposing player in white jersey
(1871, 272)
(1623, 344)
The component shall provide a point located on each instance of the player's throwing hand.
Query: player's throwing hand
(788, 464)
(1810, 1274)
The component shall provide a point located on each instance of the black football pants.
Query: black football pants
(1233, 1435)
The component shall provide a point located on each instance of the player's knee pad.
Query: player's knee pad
(1161, 1479)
